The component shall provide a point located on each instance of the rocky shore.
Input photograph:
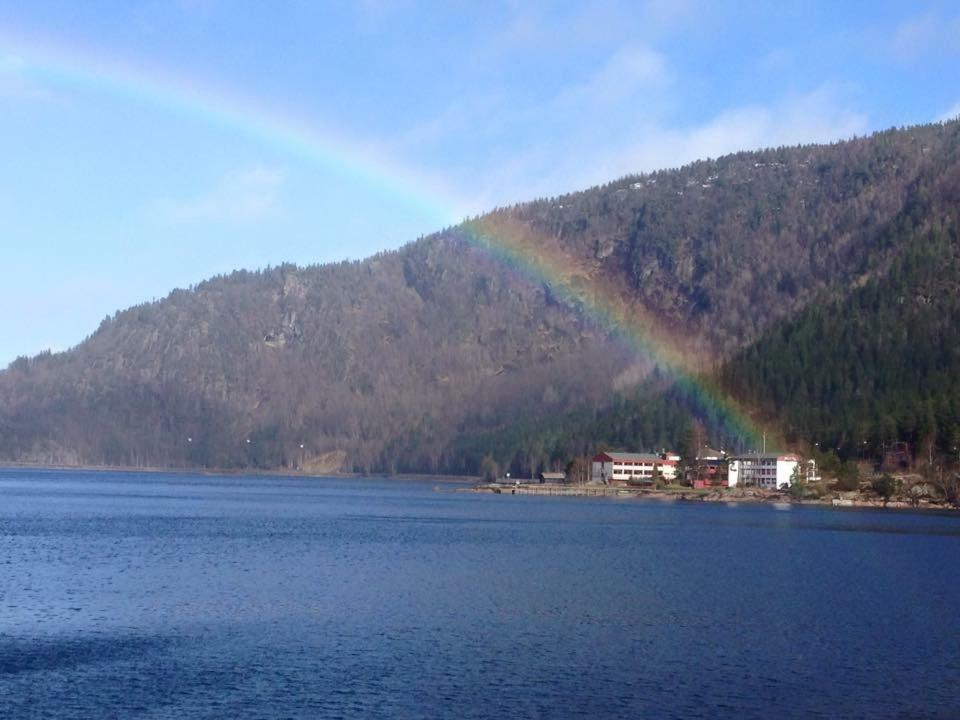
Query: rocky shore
(830, 498)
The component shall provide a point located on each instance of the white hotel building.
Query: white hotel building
(635, 468)
(767, 470)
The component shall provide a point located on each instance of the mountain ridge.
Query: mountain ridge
(394, 360)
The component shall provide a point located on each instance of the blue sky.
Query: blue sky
(149, 145)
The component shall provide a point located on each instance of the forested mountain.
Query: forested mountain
(882, 364)
(873, 369)
(819, 272)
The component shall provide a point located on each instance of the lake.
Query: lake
(170, 596)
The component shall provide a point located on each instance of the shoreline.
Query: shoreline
(242, 472)
(715, 495)
(469, 484)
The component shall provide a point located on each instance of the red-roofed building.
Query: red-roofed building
(709, 470)
(632, 468)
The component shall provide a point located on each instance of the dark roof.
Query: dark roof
(764, 456)
(632, 457)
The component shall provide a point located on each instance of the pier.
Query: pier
(555, 489)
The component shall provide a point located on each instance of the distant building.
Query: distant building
(709, 470)
(763, 470)
(896, 457)
(632, 468)
(553, 477)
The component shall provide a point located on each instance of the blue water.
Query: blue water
(152, 596)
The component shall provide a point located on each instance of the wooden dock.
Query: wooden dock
(553, 489)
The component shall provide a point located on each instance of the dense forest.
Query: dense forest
(872, 370)
(817, 284)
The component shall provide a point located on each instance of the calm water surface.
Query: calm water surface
(153, 596)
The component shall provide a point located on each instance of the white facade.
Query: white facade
(764, 471)
(631, 467)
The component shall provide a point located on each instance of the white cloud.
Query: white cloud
(246, 196)
(585, 114)
(925, 34)
(817, 116)
(532, 27)
(671, 14)
(457, 120)
(778, 60)
(374, 15)
(582, 159)
(628, 112)
(627, 72)
(542, 27)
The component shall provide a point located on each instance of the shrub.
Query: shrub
(886, 487)
(848, 477)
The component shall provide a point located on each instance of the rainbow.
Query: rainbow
(534, 254)
(234, 113)
(539, 257)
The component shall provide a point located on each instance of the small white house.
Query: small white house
(764, 470)
(635, 468)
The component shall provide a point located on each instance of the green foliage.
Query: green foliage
(489, 470)
(848, 477)
(827, 462)
(886, 486)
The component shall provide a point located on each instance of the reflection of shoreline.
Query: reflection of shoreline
(732, 496)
